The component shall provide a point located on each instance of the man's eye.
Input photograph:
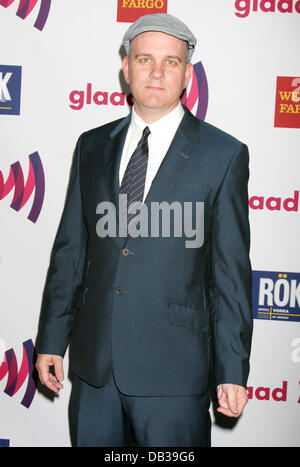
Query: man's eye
(144, 60)
(171, 62)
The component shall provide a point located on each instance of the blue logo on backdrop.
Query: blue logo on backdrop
(4, 443)
(276, 295)
(10, 89)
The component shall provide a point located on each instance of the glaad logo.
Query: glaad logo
(195, 96)
(275, 203)
(16, 378)
(130, 10)
(287, 105)
(265, 393)
(276, 296)
(79, 98)
(26, 7)
(10, 89)
(35, 181)
(244, 7)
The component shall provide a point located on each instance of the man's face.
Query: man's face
(157, 73)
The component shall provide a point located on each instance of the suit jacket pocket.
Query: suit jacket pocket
(189, 317)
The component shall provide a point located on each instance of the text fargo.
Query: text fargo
(290, 101)
(158, 4)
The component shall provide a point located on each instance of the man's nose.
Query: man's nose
(157, 70)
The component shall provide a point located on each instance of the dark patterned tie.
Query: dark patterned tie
(133, 182)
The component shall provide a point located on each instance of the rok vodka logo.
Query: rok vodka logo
(10, 89)
(4, 443)
(26, 7)
(276, 295)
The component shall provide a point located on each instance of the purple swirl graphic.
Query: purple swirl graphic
(35, 181)
(196, 99)
(16, 378)
(26, 7)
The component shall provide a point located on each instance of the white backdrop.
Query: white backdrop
(79, 45)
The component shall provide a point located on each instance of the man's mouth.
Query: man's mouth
(155, 88)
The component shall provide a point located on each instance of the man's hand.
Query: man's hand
(232, 399)
(43, 364)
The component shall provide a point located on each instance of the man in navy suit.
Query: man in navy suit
(152, 320)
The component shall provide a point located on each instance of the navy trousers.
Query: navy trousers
(106, 417)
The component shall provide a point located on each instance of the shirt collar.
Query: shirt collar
(166, 123)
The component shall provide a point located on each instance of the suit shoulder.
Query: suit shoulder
(210, 134)
(218, 146)
(219, 136)
(103, 130)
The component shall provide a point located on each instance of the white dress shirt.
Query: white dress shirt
(159, 141)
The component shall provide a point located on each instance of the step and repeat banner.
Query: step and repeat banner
(60, 75)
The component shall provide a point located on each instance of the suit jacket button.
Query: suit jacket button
(118, 290)
(125, 252)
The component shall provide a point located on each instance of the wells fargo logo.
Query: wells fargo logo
(130, 10)
(195, 97)
(16, 378)
(287, 105)
(26, 7)
(22, 192)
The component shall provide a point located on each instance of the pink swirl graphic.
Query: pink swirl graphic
(17, 378)
(35, 181)
(196, 99)
(26, 7)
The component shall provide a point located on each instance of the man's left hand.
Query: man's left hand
(232, 399)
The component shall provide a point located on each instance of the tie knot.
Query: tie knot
(146, 132)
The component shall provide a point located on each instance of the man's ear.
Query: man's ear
(125, 67)
(188, 73)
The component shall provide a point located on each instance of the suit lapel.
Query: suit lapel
(174, 162)
(112, 159)
(170, 169)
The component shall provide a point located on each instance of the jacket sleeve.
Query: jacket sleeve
(65, 270)
(231, 276)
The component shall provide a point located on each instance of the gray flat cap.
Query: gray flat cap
(162, 22)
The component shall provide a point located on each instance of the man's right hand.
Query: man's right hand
(43, 364)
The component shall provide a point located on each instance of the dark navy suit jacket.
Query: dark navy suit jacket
(165, 317)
